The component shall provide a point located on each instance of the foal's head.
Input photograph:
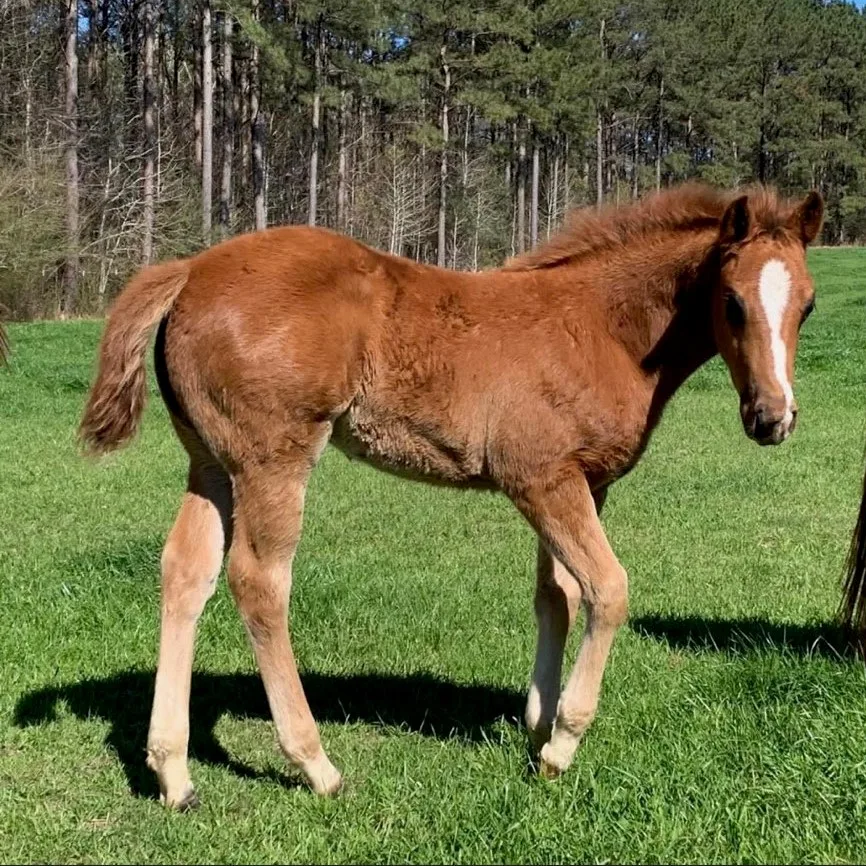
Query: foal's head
(763, 296)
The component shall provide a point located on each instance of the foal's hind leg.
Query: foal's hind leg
(191, 562)
(557, 599)
(566, 517)
(269, 503)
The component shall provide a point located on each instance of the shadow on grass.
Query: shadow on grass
(419, 703)
(742, 636)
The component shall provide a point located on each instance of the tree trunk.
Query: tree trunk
(244, 122)
(599, 159)
(465, 155)
(635, 158)
(257, 134)
(94, 42)
(197, 96)
(418, 243)
(341, 163)
(612, 165)
(149, 130)
(521, 195)
(566, 179)
(599, 133)
(228, 128)
(207, 122)
(477, 227)
(533, 200)
(317, 105)
(175, 64)
(28, 119)
(454, 242)
(659, 134)
(509, 168)
(394, 245)
(736, 164)
(443, 160)
(553, 212)
(70, 270)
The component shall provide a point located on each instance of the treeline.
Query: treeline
(454, 133)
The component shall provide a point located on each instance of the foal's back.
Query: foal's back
(297, 334)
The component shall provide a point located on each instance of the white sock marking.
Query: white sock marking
(775, 289)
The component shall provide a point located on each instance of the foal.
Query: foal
(543, 380)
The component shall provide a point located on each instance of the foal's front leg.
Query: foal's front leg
(566, 518)
(557, 599)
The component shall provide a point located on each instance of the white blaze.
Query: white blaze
(775, 289)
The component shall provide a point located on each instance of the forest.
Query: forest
(456, 134)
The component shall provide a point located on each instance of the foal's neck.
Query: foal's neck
(662, 316)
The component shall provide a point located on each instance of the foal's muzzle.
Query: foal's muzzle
(768, 424)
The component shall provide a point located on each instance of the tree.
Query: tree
(207, 120)
(70, 271)
(228, 127)
(149, 92)
(316, 120)
(443, 156)
(257, 131)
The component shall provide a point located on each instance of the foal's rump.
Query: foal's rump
(262, 332)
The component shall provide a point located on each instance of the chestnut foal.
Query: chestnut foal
(543, 379)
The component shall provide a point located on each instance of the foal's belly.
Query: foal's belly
(408, 446)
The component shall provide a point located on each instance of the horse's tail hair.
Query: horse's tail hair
(854, 594)
(117, 398)
(4, 346)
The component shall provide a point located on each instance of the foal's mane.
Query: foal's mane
(689, 207)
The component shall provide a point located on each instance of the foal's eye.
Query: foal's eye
(735, 311)
(807, 310)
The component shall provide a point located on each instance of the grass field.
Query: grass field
(731, 728)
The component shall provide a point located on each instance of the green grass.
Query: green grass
(730, 728)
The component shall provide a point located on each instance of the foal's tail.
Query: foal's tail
(117, 397)
(4, 346)
(854, 598)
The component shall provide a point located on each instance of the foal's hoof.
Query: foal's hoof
(337, 789)
(333, 787)
(548, 766)
(548, 771)
(187, 803)
(324, 777)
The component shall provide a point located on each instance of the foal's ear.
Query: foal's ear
(807, 217)
(736, 221)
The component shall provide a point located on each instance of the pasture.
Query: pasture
(732, 724)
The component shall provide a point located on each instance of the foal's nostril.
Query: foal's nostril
(764, 429)
(765, 423)
(763, 415)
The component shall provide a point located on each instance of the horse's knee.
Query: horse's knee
(609, 604)
(557, 594)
